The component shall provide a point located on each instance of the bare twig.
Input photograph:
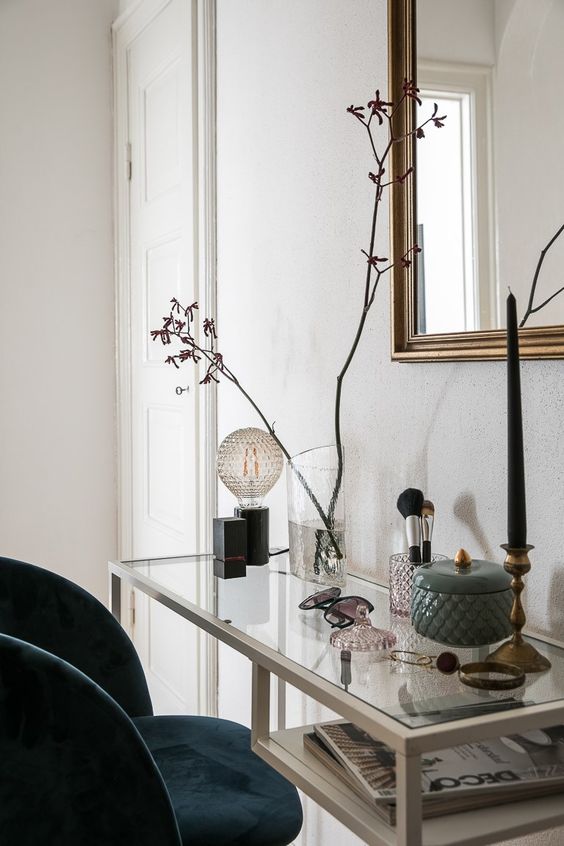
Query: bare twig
(530, 309)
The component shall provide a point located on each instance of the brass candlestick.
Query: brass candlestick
(517, 651)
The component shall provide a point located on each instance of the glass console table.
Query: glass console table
(413, 710)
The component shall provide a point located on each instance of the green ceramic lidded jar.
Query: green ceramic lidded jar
(462, 602)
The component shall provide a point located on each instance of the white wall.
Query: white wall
(293, 216)
(57, 443)
(456, 31)
(125, 4)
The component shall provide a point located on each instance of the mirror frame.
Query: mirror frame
(407, 345)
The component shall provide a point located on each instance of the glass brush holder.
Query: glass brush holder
(401, 582)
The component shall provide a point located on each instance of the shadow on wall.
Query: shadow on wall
(465, 510)
(423, 459)
(555, 619)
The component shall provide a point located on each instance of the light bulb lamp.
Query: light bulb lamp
(249, 463)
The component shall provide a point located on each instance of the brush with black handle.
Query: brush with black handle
(427, 519)
(346, 675)
(410, 502)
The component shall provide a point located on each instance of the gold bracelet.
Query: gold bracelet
(446, 663)
(421, 660)
(468, 674)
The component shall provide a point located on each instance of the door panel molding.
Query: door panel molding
(207, 243)
(125, 30)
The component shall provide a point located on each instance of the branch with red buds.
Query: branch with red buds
(384, 113)
(182, 329)
(179, 323)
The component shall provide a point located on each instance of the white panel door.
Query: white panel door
(162, 135)
(163, 265)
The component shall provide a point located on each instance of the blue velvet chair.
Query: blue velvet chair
(221, 793)
(74, 770)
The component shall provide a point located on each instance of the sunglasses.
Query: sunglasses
(339, 611)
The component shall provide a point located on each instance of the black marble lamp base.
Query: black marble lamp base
(229, 538)
(257, 534)
(229, 569)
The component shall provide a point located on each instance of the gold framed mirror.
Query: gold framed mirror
(484, 341)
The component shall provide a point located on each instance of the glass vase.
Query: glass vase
(316, 516)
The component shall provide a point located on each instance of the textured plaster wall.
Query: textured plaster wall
(294, 205)
(293, 217)
(57, 385)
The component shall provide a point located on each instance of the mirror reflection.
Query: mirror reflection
(490, 186)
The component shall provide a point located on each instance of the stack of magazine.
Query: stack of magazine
(473, 775)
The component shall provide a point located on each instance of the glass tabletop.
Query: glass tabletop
(264, 606)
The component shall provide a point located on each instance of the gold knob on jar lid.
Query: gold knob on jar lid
(462, 559)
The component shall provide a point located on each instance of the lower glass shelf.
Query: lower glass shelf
(285, 751)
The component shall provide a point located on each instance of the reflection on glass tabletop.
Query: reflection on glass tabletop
(264, 605)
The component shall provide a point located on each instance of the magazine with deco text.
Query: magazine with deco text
(501, 765)
(434, 805)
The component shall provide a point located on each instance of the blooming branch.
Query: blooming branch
(179, 323)
(182, 330)
(192, 349)
(384, 112)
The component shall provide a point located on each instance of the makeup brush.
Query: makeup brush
(346, 675)
(409, 506)
(427, 519)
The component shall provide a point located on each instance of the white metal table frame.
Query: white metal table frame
(408, 743)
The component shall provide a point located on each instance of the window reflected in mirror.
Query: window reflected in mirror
(490, 183)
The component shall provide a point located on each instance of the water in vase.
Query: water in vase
(313, 553)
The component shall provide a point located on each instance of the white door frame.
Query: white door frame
(125, 30)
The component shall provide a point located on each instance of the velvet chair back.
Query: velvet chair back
(45, 609)
(74, 768)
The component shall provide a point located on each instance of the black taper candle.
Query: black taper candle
(516, 505)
